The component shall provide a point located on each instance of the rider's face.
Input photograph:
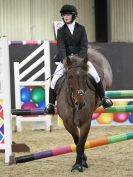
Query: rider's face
(67, 18)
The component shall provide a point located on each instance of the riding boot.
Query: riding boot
(106, 102)
(50, 107)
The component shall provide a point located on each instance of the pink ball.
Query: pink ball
(29, 105)
(95, 116)
(120, 117)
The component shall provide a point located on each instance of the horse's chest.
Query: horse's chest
(65, 111)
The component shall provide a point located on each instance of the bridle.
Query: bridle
(79, 93)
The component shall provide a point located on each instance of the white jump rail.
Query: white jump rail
(5, 98)
(32, 82)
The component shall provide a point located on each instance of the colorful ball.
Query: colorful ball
(120, 117)
(25, 94)
(38, 94)
(105, 118)
(95, 116)
(29, 105)
(131, 118)
(41, 104)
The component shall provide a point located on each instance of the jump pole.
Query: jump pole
(119, 93)
(72, 147)
(112, 109)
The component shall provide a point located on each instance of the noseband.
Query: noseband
(79, 93)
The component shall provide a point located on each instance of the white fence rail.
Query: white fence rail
(45, 61)
(5, 100)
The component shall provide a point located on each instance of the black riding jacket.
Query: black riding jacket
(67, 43)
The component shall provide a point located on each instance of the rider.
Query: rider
(72, 39)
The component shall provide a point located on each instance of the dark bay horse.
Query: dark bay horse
(77, 99)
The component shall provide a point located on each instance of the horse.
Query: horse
(77, 99)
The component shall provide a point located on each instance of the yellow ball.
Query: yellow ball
(105, 118)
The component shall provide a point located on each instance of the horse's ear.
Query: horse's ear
(68, 61)
(86, 59)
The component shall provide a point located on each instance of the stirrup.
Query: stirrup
(50, 109)
(106, 102)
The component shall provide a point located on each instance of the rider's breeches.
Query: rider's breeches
(60, 72)
(57, 74)
(92, 71)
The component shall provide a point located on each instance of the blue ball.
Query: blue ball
(131, 118)
(42, 104)
(25, 95)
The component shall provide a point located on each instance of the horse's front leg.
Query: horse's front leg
(81, 157)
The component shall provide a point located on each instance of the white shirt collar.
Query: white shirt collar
(71, 26)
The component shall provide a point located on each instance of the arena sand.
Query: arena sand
(114, 160)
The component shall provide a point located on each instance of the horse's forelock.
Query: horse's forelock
(76, 61)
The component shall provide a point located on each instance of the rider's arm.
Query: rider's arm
(61, 46)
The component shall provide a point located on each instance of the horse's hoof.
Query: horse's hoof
(77, 167)
(84, 164)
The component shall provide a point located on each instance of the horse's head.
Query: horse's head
(76, 68)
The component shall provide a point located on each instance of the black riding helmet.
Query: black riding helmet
(69, 9)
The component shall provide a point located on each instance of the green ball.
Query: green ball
(38, 94)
